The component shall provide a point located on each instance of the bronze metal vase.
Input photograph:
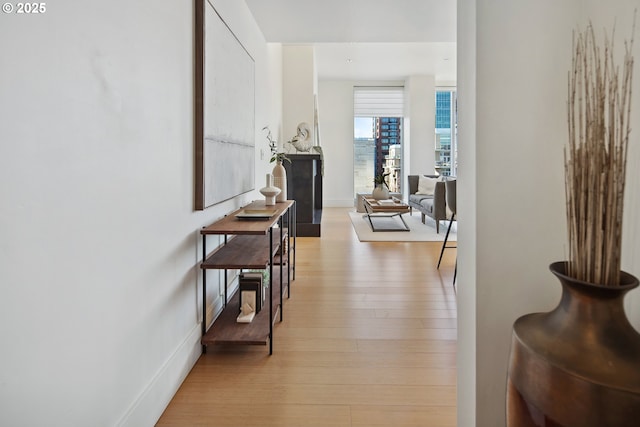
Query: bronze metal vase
(579, 364)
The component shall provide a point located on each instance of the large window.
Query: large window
(446, 132)
(377, 139)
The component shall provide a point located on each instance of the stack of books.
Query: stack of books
(252, 281)
(251, 296)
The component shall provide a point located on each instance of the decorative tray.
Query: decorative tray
(256, 214)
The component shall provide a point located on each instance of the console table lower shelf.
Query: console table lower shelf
(226, 331)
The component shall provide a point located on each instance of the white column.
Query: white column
(299, 87)
(419, 136)
(512, 129)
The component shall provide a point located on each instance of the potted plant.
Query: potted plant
(276, 156)
(381, 190)
(279, 172)
(579, 364)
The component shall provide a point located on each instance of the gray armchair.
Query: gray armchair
(432, 206)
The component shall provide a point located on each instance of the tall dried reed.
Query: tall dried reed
(599, 106)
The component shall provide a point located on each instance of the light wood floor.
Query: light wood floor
(368, 339)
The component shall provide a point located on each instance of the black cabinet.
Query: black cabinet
(304, 185)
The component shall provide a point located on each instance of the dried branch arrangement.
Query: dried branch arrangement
(599, 107)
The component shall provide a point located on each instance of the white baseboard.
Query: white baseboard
(151, 403)
(349, 203)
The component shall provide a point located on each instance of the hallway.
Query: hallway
(368, 339)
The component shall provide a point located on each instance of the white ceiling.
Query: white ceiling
(366, 39)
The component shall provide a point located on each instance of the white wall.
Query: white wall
(467, 212)
(335, 105)
(420, 132)
(100, 247)
(513, 116)
(604, 15)
(299, 87)
(273, 102)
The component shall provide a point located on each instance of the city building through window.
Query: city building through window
(446, 132)
(377, 142)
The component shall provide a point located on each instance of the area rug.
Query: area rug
(419, 232)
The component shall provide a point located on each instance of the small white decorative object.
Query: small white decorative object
(302, 141)
(280, 181)
(270, 192)
(248, 309)
(380, 192)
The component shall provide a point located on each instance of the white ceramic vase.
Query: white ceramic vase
(381, 192)
(280, 181)
(270, 192)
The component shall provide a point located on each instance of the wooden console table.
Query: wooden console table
(249, 244)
